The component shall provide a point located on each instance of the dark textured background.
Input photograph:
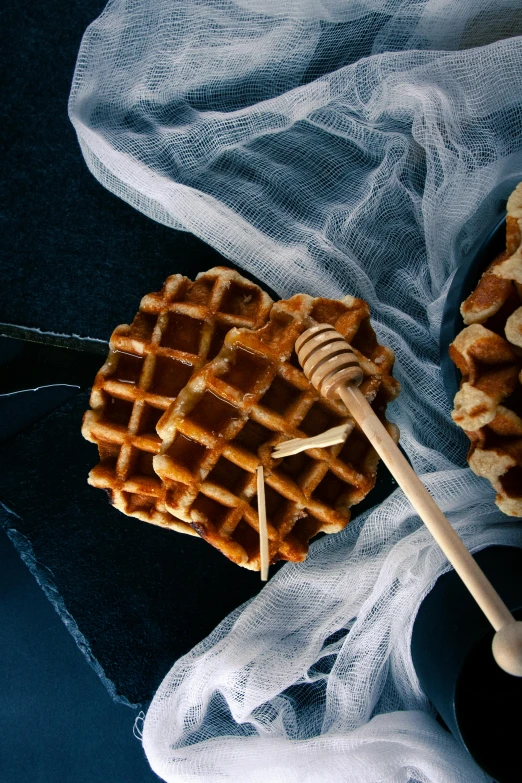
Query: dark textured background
(57, 722)
(77, 260)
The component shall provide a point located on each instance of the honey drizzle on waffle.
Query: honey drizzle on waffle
(174, 333)
(254, 395)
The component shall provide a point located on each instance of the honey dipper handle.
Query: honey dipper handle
(462, 561)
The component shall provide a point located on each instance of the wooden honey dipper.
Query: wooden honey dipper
(332, 367)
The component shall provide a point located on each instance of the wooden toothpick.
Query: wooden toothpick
(263, 532)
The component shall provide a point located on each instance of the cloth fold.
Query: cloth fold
(321, 660)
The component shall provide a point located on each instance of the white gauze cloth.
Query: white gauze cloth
(331, 148)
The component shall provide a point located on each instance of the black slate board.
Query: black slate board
(57, 721)
(135, 596)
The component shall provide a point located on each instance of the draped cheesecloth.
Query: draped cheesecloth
(330, 148)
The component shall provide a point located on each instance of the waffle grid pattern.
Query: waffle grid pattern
(174, 333)
(251, 397)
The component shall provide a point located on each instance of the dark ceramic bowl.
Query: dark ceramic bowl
(451, 652)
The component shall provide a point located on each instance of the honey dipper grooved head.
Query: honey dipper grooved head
(327, 359)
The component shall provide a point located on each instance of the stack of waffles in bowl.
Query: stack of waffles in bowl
(197, 392)
(488, 353)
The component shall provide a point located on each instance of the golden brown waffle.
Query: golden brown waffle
(251, 397)
(150, 361)
(489, 370)
(498, 293)
(488, 353)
